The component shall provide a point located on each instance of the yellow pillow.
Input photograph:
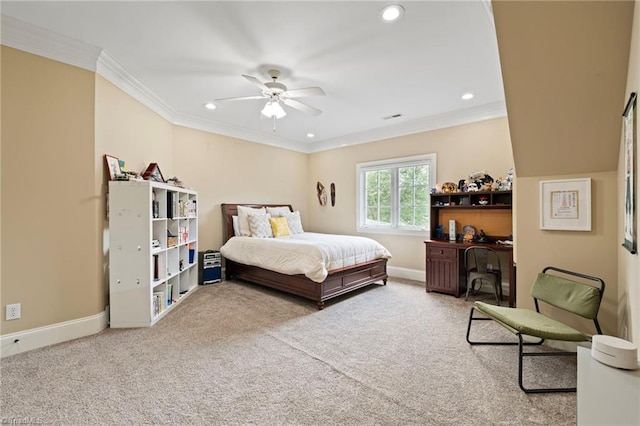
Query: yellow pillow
(279, 227)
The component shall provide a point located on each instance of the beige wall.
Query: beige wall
(50, 232)
(460, 150)
(130, 131)
(591, 253)
(563, 65)
(628, 296)
(228, 170)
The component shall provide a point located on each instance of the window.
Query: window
(393, 195)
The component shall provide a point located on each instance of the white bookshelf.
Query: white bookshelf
(146, 282)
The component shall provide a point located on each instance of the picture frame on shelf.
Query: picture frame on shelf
(152, 172)
(629, 134)
(565, 205)
(113, 166)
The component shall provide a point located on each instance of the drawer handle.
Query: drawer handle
(441, 251)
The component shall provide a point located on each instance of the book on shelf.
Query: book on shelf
(156, 268)
(174, 206)
(170, 207)
(158, 302)
(183, 208)
(169, 294)
(183, 232)
(191, 208)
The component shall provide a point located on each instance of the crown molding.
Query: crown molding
(426, 124)
(238, 133)
(115, 73)
(38, 41)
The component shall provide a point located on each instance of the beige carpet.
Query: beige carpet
(235, 353)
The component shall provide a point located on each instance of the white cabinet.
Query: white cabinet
(606, 395)
(153, 246)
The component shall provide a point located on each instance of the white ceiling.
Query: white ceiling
(187, 53)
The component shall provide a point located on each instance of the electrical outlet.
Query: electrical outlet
(13, 311)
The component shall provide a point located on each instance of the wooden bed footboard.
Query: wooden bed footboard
(338, 282)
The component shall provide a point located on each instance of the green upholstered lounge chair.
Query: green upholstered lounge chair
(554, 288)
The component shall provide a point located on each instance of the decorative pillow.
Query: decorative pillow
(243, 223)
(279, 227)
(278, 211)
(236, 225)
(260, 226)
(294, 222)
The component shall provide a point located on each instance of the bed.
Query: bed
(336, 283)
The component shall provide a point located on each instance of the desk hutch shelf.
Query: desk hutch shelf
(493, 215)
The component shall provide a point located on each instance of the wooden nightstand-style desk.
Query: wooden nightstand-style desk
(445, 271)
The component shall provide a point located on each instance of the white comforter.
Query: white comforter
(311, 254)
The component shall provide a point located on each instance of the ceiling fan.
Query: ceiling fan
(276, 92)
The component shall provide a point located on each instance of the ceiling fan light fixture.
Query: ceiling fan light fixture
(391, 13)
(273, 109)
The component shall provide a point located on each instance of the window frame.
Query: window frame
(393, 164)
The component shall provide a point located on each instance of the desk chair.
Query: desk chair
(477, 260)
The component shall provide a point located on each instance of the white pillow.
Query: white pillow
(260, 226)
(294, 222)
(243, 213)
(278, 211)
(236, 225)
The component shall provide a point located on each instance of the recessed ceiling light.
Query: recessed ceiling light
(310, 135)
(210, 105)
(391, 13)
(467, 96)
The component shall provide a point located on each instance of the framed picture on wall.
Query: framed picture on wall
(629, 134)
(565, 205)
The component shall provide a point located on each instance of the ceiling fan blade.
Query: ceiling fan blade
(301, 107)
(307, 91)
(242, 98)
(256, 82)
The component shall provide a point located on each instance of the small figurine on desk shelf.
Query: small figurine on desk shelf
(448, 187)
(469, 233)
(482, 180)
(484, 238)
(509, 179)
(439, 233)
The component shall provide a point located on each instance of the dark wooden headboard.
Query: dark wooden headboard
(230, 210)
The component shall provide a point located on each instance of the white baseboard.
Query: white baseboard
(23, 341)
(407, 274)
